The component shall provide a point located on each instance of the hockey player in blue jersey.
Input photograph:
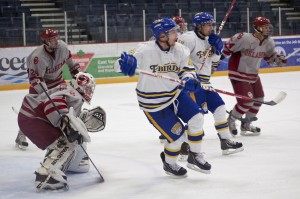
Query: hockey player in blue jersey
(167, 105)
(199, 41)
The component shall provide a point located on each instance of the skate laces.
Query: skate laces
(248, 126)
(231, 142)
(175, 167)
(200, 157)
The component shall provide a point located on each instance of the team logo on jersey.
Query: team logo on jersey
(170, 67)
(177, 128)
(250, 94)
(36, 60)
(201, 54)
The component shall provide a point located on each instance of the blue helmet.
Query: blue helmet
(162, 25)
(202, 18)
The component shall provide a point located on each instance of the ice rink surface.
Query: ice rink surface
(127, 152)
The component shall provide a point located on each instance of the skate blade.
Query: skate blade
(182, 158)
(21, 147)
(228, 152)
(248, 133)
(175, 176)
(194, 167)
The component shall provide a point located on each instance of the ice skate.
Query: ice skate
(162, 139)
(21, 141)
(173, 169)
(184, 152)
(229, 146)
(232, 126)
(196, 162)
(248, 130)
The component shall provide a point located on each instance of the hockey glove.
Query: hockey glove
(280, 60)
(128, 64)
(216, 42)
(190, 84)
(71, 134)
(74, 128)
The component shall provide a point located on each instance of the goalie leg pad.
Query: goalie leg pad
(51, 173)
(94, 119)
(80, 163)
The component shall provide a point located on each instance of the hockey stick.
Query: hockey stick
(219, 31)
(61, 118)
(293, 53)
(280, 97)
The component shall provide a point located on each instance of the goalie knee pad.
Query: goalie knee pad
(94, 119)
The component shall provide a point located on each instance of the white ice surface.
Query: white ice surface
(127, 152)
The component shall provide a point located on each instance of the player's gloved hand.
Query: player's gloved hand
(216, 42)
(280, 60)
(190, 84)
(71, 134)
(128, 64)
(213, 69)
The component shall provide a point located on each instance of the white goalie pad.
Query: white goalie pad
(78, 125)
(94, 119)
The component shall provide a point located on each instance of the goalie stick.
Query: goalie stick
(279, 98)
(219, 31)
(62, 118)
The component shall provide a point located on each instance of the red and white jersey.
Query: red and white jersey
(39, 106)
(47, 67)
(246, 52)
(198, 48)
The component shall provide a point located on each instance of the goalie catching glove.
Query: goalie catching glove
(94, 119)
(74, 128)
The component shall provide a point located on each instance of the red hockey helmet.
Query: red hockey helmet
(178, 19)
(261, 21)
(48, 33)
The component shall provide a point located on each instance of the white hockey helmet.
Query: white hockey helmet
(85, 84)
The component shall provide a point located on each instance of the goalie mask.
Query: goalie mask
(84, 83)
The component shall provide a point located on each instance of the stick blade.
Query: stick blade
(279, 98)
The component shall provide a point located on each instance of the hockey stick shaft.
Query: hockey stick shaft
(292, 54)
(61, 117)
(219, 31)
(208, 88)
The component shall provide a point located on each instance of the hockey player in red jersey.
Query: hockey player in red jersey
(180, 21)
(247, 50)
(61, 133)
(45, 64)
